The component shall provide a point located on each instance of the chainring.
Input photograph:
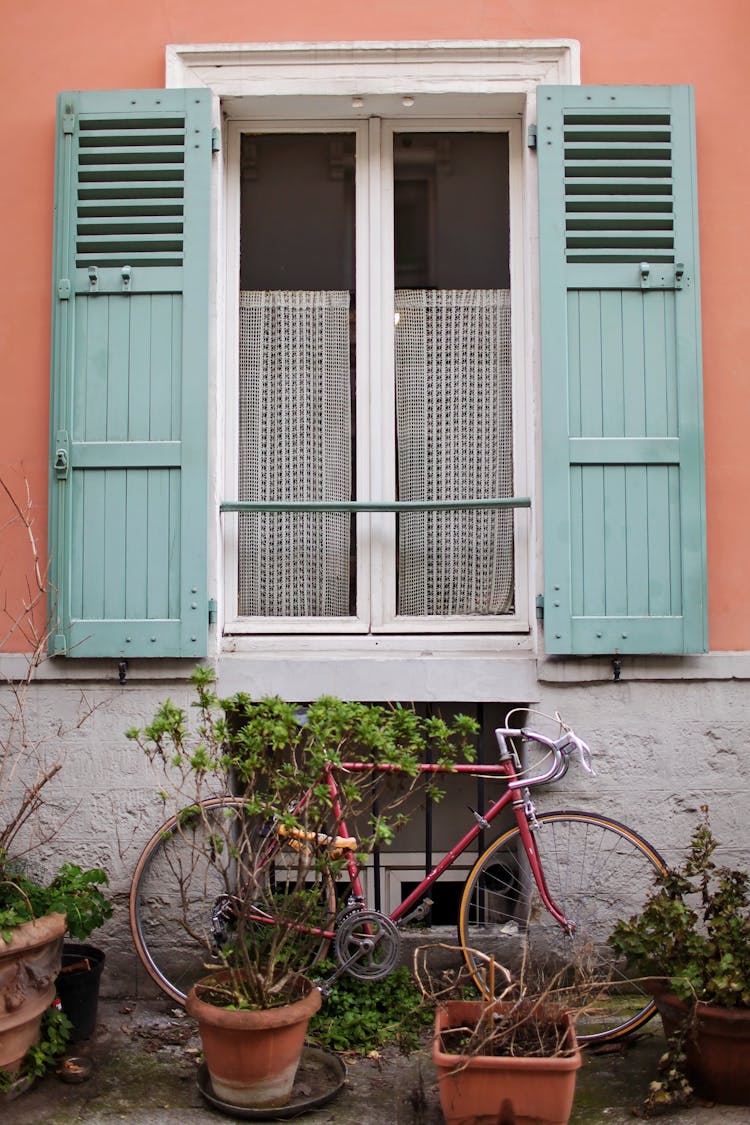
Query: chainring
(375, 941)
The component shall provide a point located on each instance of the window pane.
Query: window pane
(296, 372)
(453, 370)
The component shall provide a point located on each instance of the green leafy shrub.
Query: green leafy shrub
(695, 928)
(73, 892)
(269, 753)
(364, 1016)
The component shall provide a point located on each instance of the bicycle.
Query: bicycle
(546, 891)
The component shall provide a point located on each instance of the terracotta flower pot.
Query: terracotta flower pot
(29, 964)
(486, 1089)
(717, 1046)
(252, 1056)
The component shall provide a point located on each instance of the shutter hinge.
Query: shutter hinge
(212, 611)
(63, 288)
(531, 136)
(215, 140)
(540, 607)
(68, 123)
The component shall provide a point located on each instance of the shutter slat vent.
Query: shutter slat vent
(130, 192)
(618, 187)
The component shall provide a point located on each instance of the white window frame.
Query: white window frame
(384, 618)
(336, 85)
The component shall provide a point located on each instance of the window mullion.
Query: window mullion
(382, 456)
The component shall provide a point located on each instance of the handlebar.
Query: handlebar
(562, 750)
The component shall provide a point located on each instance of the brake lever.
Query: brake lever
(585, 756)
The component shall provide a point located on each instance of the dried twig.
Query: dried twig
(28, 760)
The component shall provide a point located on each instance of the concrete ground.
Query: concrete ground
(145, 1066)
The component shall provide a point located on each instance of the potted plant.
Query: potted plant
(268, 752)
(692, 940)
(518, 1058)
(35, 910)
(514, 1057)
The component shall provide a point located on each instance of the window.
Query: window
(427, 416)
(152, 325)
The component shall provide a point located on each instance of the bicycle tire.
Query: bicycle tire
(190, 862)
(597, 870)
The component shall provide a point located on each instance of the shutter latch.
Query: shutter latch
(679, 273)
(93, 279)
(62, 456)
(645, 269)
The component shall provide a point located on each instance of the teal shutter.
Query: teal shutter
(128, 518)
(624, 510)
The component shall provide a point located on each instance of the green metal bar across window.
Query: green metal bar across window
(373, 505)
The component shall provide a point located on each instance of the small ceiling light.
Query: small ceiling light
(407, 102)
(357, 102)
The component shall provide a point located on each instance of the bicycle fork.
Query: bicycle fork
(528, 824)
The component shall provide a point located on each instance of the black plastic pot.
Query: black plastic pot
(78, 987)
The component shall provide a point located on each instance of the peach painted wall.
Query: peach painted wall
(86, 45)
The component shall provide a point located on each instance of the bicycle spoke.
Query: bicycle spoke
(190, 882)
(596, 871)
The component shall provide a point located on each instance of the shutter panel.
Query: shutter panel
(624, 510)
(128, 485)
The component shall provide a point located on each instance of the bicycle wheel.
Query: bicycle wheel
(190, 880)
(597, 871)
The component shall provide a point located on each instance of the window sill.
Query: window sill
(372, 668)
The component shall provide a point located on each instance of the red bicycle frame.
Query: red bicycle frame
(515, 794)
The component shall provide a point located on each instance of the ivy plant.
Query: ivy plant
(694, 929)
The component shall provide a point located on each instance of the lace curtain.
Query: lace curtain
(295, 444)
(453, 405)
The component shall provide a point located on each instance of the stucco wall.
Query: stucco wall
(659, 754)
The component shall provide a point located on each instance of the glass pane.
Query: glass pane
(296, 372)
(453, 371)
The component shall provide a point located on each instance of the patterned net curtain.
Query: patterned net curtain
(295, 444)
(453, 405)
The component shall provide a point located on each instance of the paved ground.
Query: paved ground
(144, 1071)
